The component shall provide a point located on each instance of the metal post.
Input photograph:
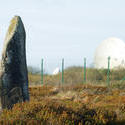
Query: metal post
(62, 70)
(108, 72)
(84, 70)
(42, 71)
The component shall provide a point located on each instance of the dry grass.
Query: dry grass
(74, 75)
(93, 103)
(66, 105)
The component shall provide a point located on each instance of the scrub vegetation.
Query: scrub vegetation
(71, 103)
(75, 75)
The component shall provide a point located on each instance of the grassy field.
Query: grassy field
(74, 102)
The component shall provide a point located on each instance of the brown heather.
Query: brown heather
(74, 102)
(67, 105)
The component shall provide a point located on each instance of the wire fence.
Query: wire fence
(85, 76)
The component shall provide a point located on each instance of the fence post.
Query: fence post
(84, 70)
(62, 70)
(42, 72)
(108, 72)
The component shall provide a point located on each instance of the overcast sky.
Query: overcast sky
(70, 29)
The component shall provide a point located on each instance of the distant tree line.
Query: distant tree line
(33, 70)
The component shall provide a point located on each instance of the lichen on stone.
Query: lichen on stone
(13, 65)
(11, 30)
(13, 25)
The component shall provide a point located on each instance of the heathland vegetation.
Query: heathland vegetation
(74, 102)
(75, 75)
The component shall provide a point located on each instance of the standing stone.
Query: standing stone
(14, 75)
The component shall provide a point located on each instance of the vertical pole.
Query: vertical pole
(84, 70)
(42, 72)
(108, 72)
(62, 70)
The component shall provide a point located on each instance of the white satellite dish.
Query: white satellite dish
(56, 71)
(113, 48)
